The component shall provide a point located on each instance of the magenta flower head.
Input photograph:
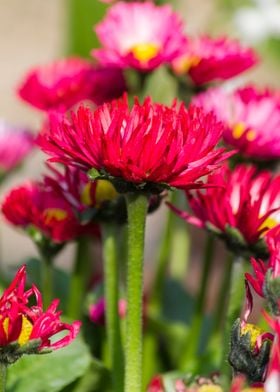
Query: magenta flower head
(251, 118)
(64, 83)
(240, 207)
(15, 144)
(26, 328)
(139, 35)
(147, 148)
(207, 60)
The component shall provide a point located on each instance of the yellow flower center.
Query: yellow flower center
(145, 52)
(54, 213)
(185, 63)
(104, 191)
(269, 223)
(253, 390)
(26, 330)
(239, 129)
(210, 388)
(253, 331)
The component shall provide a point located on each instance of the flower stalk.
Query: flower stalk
(111, 269)
(80, 277)
(137, 209)
(3, 376)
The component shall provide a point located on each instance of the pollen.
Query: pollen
(6, 326)
(105, 191)
(185, 63)
(86, 195)
(269, 223)
(253, 331)
(145, 52)
(55, 213)
(26, 330)
(238, 130)
(210, 388)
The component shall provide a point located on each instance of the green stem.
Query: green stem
(47, 279)
(236, 299)
(207, 266)
(3, 377)
(110, 257)
(80, 278)
(223, 295)
(137, 210)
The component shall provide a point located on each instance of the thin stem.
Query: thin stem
(236, 298)
(80, 278)
(47, 279)
(110, 257)
(223, 295)
(137, 210)
(3, 377)
(207, 266)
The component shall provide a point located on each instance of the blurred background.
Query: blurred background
(35, 32)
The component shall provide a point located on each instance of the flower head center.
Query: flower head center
(253, 331)
(145, 52)
(185, 63)
(269, 223)
(210, 388)
(54, 213)
(26, 330)
(104, 191)
(240, 129)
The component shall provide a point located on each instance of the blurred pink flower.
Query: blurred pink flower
(206, 59)
(251, 118)
(139, 35)
(15, 144)
(97, 311)
(63, 83)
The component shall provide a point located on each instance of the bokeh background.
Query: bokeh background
(35, 32)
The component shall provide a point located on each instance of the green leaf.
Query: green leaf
(49, 372)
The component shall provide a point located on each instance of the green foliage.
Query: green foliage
(82, 16)
(49, 372)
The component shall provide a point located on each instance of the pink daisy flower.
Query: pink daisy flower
(206, 59)
(63, 83)
(147, 148)
(139, 35)
(24, 323)
(251, 119)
